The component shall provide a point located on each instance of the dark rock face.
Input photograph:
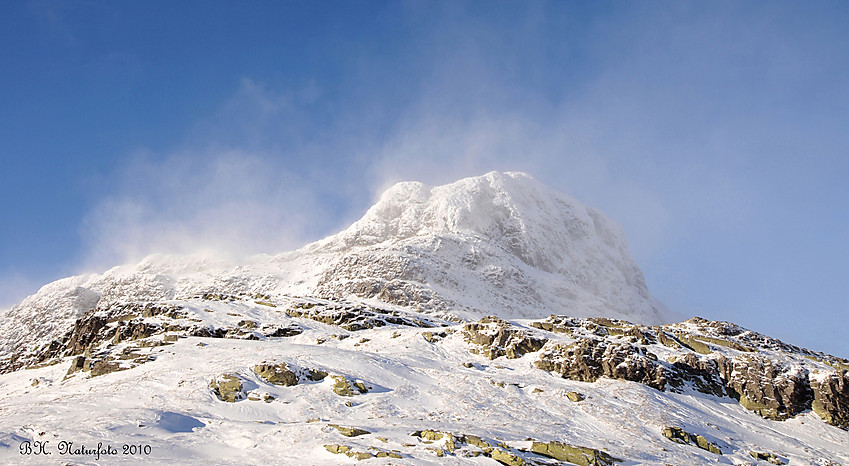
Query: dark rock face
(706, 375)
(135, 330)
(494, 337)
(831, 398)
(588, 359)
(84, 333)
(768, 389)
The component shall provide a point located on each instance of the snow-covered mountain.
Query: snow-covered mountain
(486, 321)
(499, 244)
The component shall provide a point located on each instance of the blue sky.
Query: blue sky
(714, 133)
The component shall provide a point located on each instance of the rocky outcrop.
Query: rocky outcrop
(354, 317)
(344, 386)
(433, 337)
(771, 457)
(588, 359)
(287, 375)
(678, 435)
(493, 338)
(831, 398)
(430, 436)
(228, 388)
(348, 451)
(772, 390)
(573, 454)
(106, 362)
(768, 377)
(277, 374)
(349, 431)
(706, 375)
(468, 445)
(103, 328)
(575, 396)
(507, 458)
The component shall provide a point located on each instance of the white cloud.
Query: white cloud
(227, 201)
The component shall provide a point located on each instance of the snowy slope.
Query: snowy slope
(415, 382)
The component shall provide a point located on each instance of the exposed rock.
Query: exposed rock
(349, 431)
(227, 387)
(573, 454)
(135, 329)
(433, 337)
(286, 374)
(353, 318)
(717, 358)
(615, 327)
(249, 324)
(217, 297)
(273, 331)
(76, 365)
(478, 442)
(704, 373)
(105, 366)
(575, 396)
(505, 457)
(277, 374)
(693, 343)
(772, 390)
(494, 337)
(588, 359)
(678, 435)
(666, 339)
(433, 436)
(257, 396)
(771, 457)
(831, 398)
(437, 451)
(316, 375)
(343, 386)
(345, 449)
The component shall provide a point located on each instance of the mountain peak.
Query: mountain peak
(509, 207)
(487, 205)
(500, 241)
